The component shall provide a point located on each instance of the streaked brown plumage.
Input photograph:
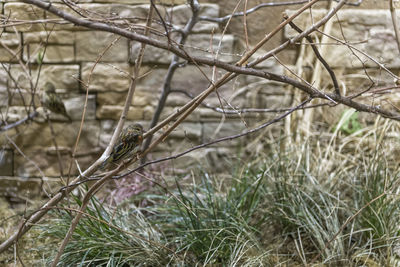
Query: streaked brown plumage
(127, 145)
(52, 101)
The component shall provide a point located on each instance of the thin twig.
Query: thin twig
(395, 24)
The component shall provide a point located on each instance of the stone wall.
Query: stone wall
(71, 52)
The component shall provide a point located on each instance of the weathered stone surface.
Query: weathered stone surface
(140, 98)
(53, 53)
(45, 162)
(55, 37)
(367, 30)
(89, 45)
(39, 135)
(106, 78)
(197, 45)
(133, 2)
(214, 130)
(21, 97)
(14, 187)
(9, 47)
(62, 76)
(180, 15)
(187, 130)
(193, 117)
(111, 112)
(21, 11)
(194, 80)
(6, 162)
(152, 79)
(222, 46)
(75, 106)
(3, 86)
(135, 13)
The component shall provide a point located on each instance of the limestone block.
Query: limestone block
(214, 130)
(107, 77)
(6, 162)
(64, 25)
(210, 115)
(52, 53)
(55, 37)
(10, 47)
(89, 45)
(180, 15)
(367, 30)
(21, 11)
(151, 54)
(135, 2)
(112, 112)
(167, 111)
(44, 162)
(140, 98)
(135, 13)
(13, 114)
(75, 106)
(152, 79)
(197, 45)
(3, 86)
(39, 135)
(194, 80)
(14, 186)
(222, 46)
(62, 76)
(21, 97)
(187, 130)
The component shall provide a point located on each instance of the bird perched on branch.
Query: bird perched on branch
(127, 145)
(52, 101)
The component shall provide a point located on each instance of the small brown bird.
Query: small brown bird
(127, 145)
(52, 101)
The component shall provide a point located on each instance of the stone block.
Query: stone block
(215, 130)
(112, 112)
(62, 76)
(22, 11)
(52, 53)
(10, 47)
(194, 80)
(55, 37)
(135, 2)
(39, 135)
(44, 162)
(3, 86)
(75, 106)
(19, 187)
(167, 111)
(180, 15)
(135, 13)
(187, 130)
(196, 45)
(107, 77)
(6, 162)
(21, 97)
(89, 45)
(141, 98)
(367, 30)
(152, 79)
